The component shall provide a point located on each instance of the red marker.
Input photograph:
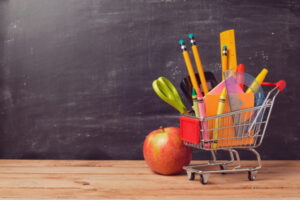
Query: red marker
(240, 76)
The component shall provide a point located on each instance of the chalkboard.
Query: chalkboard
(75, 76)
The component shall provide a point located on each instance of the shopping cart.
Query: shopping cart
(242, 129)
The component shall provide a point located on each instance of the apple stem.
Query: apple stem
(162, 128)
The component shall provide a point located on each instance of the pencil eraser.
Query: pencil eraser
(191, 35)
(181, 42)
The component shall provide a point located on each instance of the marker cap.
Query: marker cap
(194, 93)
(261, 76)
(240, 68)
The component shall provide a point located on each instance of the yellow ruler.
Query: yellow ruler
(227, 38)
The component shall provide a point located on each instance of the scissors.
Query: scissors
(168, 93)
(186, 85)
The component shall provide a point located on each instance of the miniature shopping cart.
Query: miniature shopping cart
(242, 129)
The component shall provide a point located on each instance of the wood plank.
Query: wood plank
(69, 179)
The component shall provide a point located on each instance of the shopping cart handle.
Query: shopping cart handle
(280, 85)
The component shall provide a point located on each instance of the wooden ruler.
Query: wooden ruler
(227, 38)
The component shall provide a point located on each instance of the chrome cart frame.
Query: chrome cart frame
(242, 129)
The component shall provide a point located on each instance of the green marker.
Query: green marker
(195, 103)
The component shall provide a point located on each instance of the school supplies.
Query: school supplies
(227, 38)
(247, 80)
(233, 99)
(168, 93)
(221, 106)
(240, 75)
(204, 125)
(226, 117)
(258, 80)
(198, 63)
(195, 103)
(189, 65)
(231, 143)
(234, 87)
(259, 97)
(236, 100)
(212, 100)
(223, 127)
(186, 85)
(224, 60)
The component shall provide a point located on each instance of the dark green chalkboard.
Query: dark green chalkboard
(75, 76)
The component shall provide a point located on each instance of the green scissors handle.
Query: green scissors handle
(168, 93)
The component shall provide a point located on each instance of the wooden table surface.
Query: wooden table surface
(69, 179)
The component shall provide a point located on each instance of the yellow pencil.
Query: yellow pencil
(198, 63)
(258, 80)
(224, 60)
(189, 65)
(220, 111)
(228, 38)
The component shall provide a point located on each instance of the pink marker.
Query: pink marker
(204, 124)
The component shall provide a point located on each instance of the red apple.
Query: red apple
(165, 152)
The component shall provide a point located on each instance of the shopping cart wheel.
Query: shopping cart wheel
(252, 175)
(191, 175)
(203, 178)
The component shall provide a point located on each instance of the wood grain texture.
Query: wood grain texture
(69, 179)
